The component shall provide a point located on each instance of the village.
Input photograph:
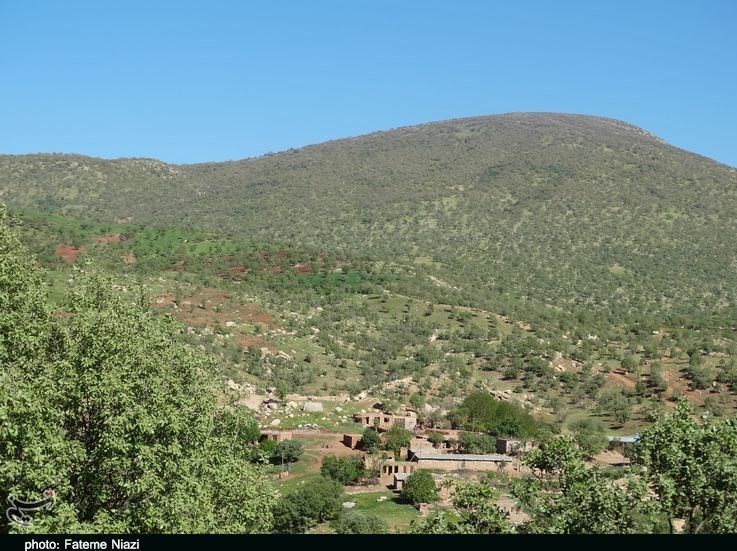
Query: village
(432, 449)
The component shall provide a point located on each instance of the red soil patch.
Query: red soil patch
(620, 379)
(280, 254)
(69, 253)
(235, 273)
(211, 307)
(256, 342)
(679, 386)
(112, 239)
(255, 314)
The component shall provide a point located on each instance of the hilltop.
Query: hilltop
(570, 212)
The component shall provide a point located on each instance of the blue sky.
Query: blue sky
(214, 80)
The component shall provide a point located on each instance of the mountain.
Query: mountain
(534, 214)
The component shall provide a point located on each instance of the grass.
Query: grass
(397, 515)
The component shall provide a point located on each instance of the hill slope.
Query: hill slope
(537, 215)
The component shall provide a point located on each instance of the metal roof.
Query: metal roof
(434, 456)
(625, 439)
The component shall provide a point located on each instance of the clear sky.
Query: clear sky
(210, 80)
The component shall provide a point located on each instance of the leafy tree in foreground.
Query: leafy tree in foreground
(564, 495)
(692, 467)
(420, 487)
(478, 514)
(101, 404)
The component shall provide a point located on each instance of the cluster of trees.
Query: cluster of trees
(100, 402)
(483, 413)
(683, 475)
(392, 440)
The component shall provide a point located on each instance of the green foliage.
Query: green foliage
(481, 412)
(589, 435)
(692, 469)
(478, 514)
(287, 451)
(435, 438)
(354, 522)
(346, 470)
(101, 403)
(476, 443)
(420, 487)
(566, 496)
(317, 501)
(370, 440)
(616, 404)
(396, 438)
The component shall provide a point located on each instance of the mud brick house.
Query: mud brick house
(275, 435)
(432, 459)
(385, 421)
(351, 440)
(391, 468)
(509, 446)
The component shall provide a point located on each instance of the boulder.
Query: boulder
(312, 407)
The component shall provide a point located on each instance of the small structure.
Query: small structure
(401, 478)
(510, 446)
(351, 440)
(431, 459)
(384, 421)
(622, 442)
(275, 435)
(312, 407)
(390, 468)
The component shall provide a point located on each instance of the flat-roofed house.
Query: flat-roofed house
(385, 421)
(432, 459)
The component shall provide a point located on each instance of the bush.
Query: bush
(435, 438)
(345, 470)
(420, 488)
(369, 440)
(396, 438)
(316, 501)
(353, 522)
(288, 451)
(476, 443)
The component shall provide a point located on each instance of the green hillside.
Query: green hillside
(576, 265)
(530, 214)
